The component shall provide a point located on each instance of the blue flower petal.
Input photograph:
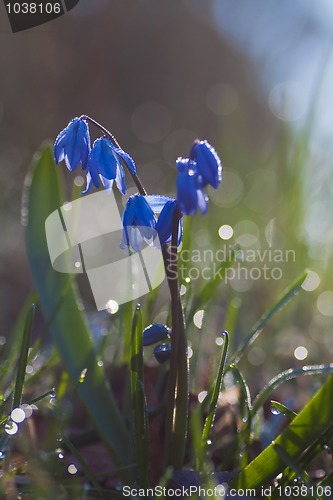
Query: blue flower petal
(208, 163)
(102, 160)
(120, 179)
(202, 201)
(89, 184)
(73, 144)
(155, 333)
(59, 146)
(127, 159)
(165, 222)
(162, 352)
(187, 193)
(138, 222)
(157, 202)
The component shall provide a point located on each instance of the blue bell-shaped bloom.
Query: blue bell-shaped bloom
(155, 333)
(190, 194)
(164, 208)
(138, 223)
(208, 163)
(73, 144)
(162, 353)
(104, 162)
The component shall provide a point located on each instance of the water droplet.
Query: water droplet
(59, 437)
(72, 469)
(27, 410)
(198, 318)
(201, 396)
(100, 363)
(112, 306)
(83, 375)
(2, 455)
(11, 428)
(274, 411)
(18, 415)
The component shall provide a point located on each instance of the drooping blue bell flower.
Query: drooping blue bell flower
(164, 208)
(208, 163)
(73, 144)
(190, 193)
(155, 333)
(105, 161)
(162, 353)
(146, 216)
(138, 223)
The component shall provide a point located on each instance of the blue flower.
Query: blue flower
(164, 208)
(73, 144)
(190, 194)
(104, 162)
(208, 163)
(144, 216)
(155, 333)
(138, 223)
(162, 353)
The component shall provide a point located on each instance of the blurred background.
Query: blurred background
(254, 79)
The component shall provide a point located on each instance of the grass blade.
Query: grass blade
(283, 377)
(293, 465)
(287, 295)
(295, 439)
(215, 393)
(22, 362)
(68, 326)
(139, 405)
(287, 412)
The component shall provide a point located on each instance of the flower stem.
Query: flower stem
(135, 177)
(177, 398)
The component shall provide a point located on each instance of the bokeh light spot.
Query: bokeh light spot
(225, 232)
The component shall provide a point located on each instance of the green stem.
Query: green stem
(177, 398)
(177, 402)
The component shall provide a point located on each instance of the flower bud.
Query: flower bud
(155, 333)
(162, 352)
